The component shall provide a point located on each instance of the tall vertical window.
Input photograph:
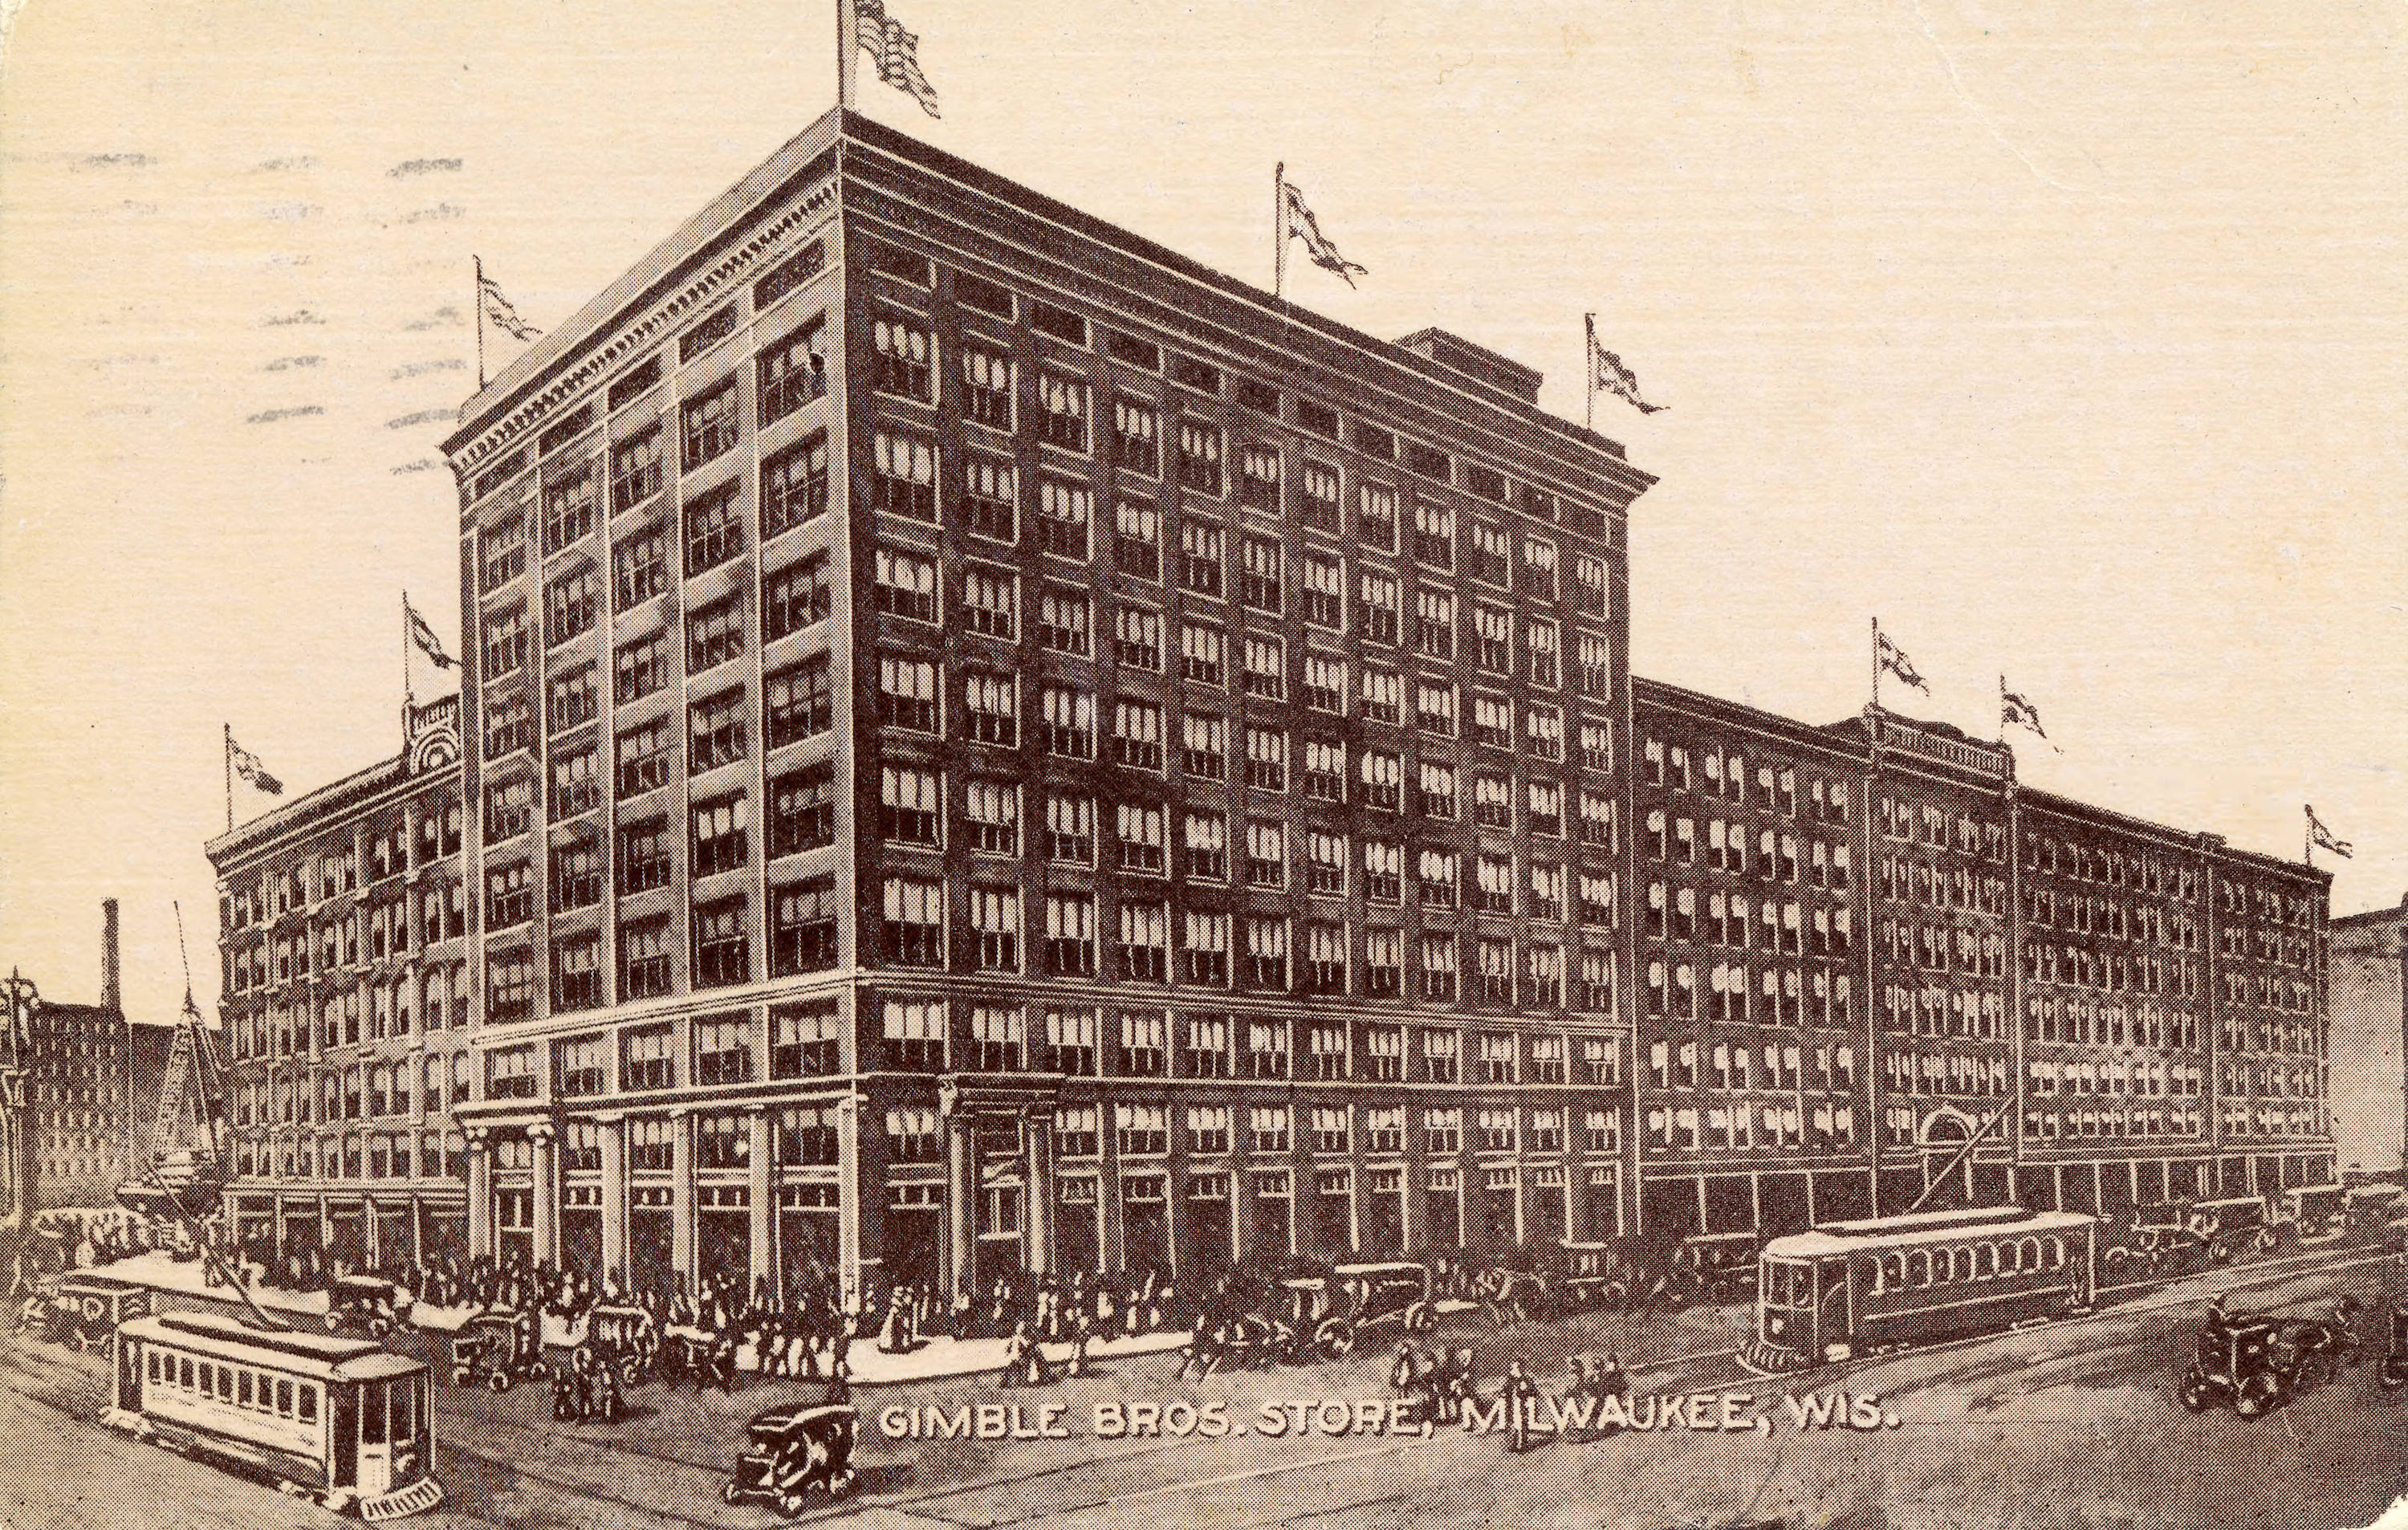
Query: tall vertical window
(1070, 933)
(797, 702)
(802, 810)
(795, 486)
(903, 476)
(986, 387)
(1062, 412)
(707, 424)
(1200, 456)
(639, 566)
(714, 529)
(803, 933)
(991, 498)
(794, 598)
(1065, 513)
(791, 372)
(502, 549)
(636, 469)
(905, 367)
(907, 693)
(721, 952)
(568, 508)
(1137, 436)
(913, 928)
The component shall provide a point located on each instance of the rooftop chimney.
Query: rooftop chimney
(108, 953)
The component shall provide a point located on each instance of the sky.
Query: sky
(2065, 338)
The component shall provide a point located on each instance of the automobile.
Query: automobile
(1593, 1276)
(790, 1450)
(81, 1311)
(500, 1347)
(1328, 1312)
(2393, 1373)
(2371, 1213)
(2232, 1227)
(1714, 1267)
(2237, 1361)
(2159, 1239)
(364, 1301)
(2311, 1215)
(626, 1337)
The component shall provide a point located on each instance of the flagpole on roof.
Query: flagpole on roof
(229, 775)
(479, 261)
(1877, 664)
(1588, 371)
(847, 46)
(407, 697)
(1278, 229)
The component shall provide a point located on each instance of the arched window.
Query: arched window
(2029, 1254)
(1896, 1264)
(1869, 1275)
(2055, 1249)
(1919, 1266)
(1985, 1260)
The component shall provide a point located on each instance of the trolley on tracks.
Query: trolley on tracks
(1852, 1287)
(339, 1420)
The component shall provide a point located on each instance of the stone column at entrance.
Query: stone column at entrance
(481, 1191)
(614, 1200)
(852, 1184)
(681, 1191)
(961, 1195)
(1037, 1130)
(763, 1191)
(544, 1193)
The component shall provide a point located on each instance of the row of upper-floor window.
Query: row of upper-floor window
(1736, 994)
(2113, 972)
(2090, 1123)
(379, 930)
(2142, 1078)
(1826, 1126)
(324, 876)
(2072, 1020)
(1443, 625)
(1791, 928)
(2085, 913)
(1905, 880)
(919, 1034)
(908, 367)
(356, 1091)
(369, 1156)
(913, 697)
(1937, 1011)
(1776, 787)
(1778, 857)
(359, 1015)
(2261, 1118)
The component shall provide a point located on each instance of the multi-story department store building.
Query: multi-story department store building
(342, 950)
(992, 746)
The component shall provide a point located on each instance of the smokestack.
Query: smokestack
(108, 953)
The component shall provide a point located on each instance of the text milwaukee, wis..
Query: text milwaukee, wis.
(1698, 1412)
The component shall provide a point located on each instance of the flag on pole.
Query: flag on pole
(1893, 658)
(422, 633)
(2322, 837)
(499, 312)
(897, 51)
(2016, 711)
(1606, 373)
(247, 765)
(1302, 224)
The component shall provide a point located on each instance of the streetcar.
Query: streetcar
(1848, 1288)
(340, 1421)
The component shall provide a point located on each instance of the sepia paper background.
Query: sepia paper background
(2065, 338)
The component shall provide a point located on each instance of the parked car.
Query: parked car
(2234, 1225)
(1329, 1312)
(626, 1338)
(1593, 1275)
(499, 1348)
(790, 1450)
(363, 1301)
(2311, 1215)
(81, 1311)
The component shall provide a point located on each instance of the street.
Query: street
(2064, 1425)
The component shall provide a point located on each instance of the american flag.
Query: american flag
(897, 51)
(1302, 224)
(499, 312)
(1893, 658)
(2322, 839)
(247, 765)
(1607, 375)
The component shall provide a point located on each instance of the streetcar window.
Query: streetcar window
(307, 1396)
(1960, 1264)
(404, 1422)
(242, 1384)
(1920, 1263)
(2056, 1253)
(150, 1366)
(372, 1413)
(284, 1398)
(1987, 1261)
(1868, 1274)
(2030, 1254)
(184, 1372)
(2011, 1256)
(1896, 1266)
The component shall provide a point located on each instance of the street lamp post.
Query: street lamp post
(23, 1001)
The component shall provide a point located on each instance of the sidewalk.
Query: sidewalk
(930, 1360)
